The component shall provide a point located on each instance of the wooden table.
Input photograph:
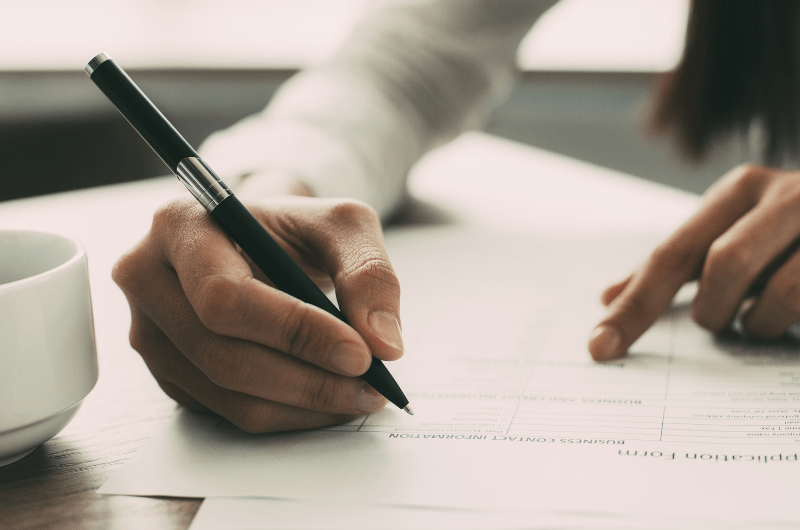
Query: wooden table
(478, 179)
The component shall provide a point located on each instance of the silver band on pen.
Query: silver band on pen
(98, 59)
(202, 182)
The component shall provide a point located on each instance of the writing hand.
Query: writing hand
(744, 234)
(217, 337)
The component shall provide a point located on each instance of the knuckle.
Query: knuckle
(726, 260)
(174, 224)
(370, 266)
(320, 392)
(140, 335)
(170, 214)
(121, 272)
(353, 211)
(222, 366)
(374, 266)
(749, 177)
(151, 351)
(165, 217)
(297, 332)
(130, 270)
(218, 303)
(138, 340)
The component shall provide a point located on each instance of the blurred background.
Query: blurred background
(588, 68)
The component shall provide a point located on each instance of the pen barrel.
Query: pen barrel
(141, 113)
(379, 378)
(269, 256)
(287, 276)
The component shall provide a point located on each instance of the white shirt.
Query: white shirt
(413, 75)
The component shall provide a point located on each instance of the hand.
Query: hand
(743, 236)
(217, 337)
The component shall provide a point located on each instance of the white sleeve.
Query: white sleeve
(414, 74)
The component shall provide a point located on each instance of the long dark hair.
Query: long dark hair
(740, 63)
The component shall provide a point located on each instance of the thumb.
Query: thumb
(349, 242)
(369, 296)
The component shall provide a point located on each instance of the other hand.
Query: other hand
(740, 246)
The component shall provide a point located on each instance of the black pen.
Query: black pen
(222, 205)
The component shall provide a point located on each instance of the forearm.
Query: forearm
(412, 76)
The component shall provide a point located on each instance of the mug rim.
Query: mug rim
(80, 252)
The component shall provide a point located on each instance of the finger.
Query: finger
(614, 290)
(240, 365)
(229, 301)
(162, 359)
(186, 384)
(676, 261)
(737, 257)
(753, 247)
(352, 250)
(635, 308)
(778, 307)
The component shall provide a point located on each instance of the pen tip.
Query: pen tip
(408, 409)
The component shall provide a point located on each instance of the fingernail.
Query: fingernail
(387, 328)
(742, 319)
(369, 400)
(746, 307)
(604, 342)
(349, 358)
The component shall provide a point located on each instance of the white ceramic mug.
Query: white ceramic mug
(48, 359)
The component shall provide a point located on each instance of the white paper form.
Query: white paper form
(225, 513)
(510, 411)
(268, 514)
